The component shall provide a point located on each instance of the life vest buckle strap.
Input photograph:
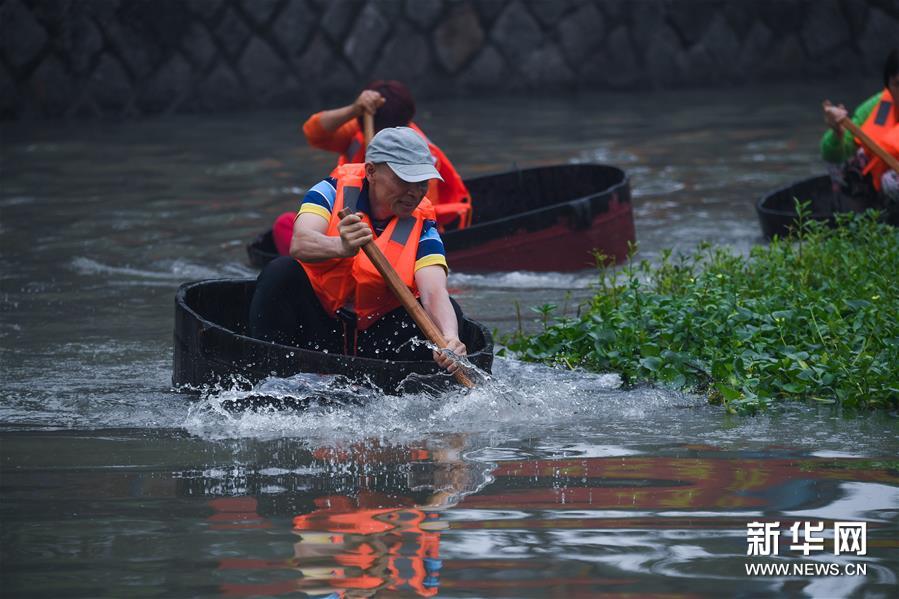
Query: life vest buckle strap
(346, 315)
(347, 318)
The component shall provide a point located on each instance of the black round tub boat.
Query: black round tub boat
(777, 211)
(212, 347)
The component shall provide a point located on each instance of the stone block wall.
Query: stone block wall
(124, 58)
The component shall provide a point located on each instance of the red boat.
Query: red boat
(549, 218)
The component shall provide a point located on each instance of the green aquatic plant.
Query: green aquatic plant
(813, 317)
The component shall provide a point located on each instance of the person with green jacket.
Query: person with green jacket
(854, 170)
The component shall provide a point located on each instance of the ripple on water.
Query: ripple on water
(659, 183)
(243, 168)
(16, 201)
(166, 270)
(109, 384)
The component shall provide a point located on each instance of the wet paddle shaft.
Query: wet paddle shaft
(368, 127)
(408, 300)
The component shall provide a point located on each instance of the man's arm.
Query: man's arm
(310, 243)
(431, 283)
(337, 141)
(368, 101)
(836, 145)
(334, 129)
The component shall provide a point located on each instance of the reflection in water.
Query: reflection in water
(457, 514)
(380, 542)
(371, 523)
(453, 515)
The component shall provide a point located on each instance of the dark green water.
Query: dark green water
(541, 483)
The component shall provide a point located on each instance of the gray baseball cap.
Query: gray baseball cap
(405, 152)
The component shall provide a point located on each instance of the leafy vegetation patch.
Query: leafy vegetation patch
(815, 317)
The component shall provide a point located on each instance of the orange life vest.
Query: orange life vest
(450, 197)
(338, 280)
(880, 126)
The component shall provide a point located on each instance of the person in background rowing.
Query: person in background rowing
(854, 169)
(340, 130)
(327, 295)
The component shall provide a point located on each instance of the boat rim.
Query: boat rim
(181, 302)
(761, 207)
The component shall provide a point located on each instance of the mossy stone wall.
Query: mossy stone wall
(134, 57)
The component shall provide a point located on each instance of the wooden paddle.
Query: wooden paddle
(870, 143)
(368, 127)
(408, 300)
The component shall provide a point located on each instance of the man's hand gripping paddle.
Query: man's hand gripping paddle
(408, 300)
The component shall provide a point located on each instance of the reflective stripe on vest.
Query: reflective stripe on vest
(402, 230)
(883, 112)
(351, 197)
(357, 146)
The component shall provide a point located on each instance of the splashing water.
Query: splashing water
(330, 409)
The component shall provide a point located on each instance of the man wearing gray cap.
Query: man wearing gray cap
(327, 295)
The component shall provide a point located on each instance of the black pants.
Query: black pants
(286, 310)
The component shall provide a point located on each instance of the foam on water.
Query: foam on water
(169, 270)
(602, 153)
(525, 280)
